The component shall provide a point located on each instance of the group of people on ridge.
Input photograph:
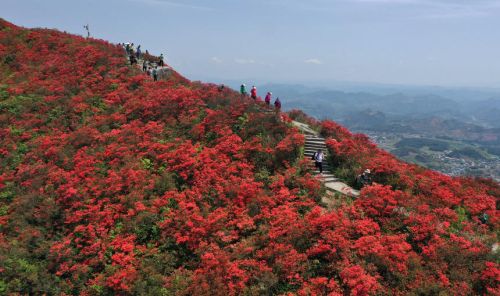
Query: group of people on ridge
(132, 53)
(151, 71)
(253, 95)
(150, 68)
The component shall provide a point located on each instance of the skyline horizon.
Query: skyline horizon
(311, 83)
(418, 43)
(321, 82)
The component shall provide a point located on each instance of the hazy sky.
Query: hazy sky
(432, 42)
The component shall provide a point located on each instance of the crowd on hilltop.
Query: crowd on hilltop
(132, 53)
(150, 64)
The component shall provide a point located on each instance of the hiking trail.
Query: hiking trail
(313, 142)
(332, 184)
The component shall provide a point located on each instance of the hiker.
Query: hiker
(144, 66)
(253, 93)
(318, 157)
(127, 48)
(483, 218)
(132, 50)
(124, 48)
(160, 61)
(221, 88)
(364, 179)
(148, 71)
(277, 104)
(268, 98)
(243, 90)
(155, 73)
(132, 58)
(138, 53)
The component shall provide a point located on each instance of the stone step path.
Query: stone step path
(312, 144)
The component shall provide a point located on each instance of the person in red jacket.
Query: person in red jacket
(268, 98)
(277, 104)
(253, 93)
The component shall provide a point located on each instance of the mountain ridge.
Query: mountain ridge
(111, 183)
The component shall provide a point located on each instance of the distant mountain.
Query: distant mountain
(339, 103)
(484, 111)
(398, 112)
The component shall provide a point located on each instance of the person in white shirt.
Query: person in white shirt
(318, 160)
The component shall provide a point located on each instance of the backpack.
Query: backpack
(313, 157)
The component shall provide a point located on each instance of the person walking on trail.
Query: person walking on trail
(144, 66)
(243, 90)
(124, 46)
(253, 93)
(133, 60)
(138, 53)
(318, 157)
(155, 74)
(277, 104)
(268, 98)
(160, 62)
(127, 48)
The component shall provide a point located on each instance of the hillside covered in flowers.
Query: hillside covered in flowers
(113, 184)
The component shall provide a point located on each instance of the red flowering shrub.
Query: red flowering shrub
(358, 281)
(491, 278)
(111, 183)
(330, 129)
